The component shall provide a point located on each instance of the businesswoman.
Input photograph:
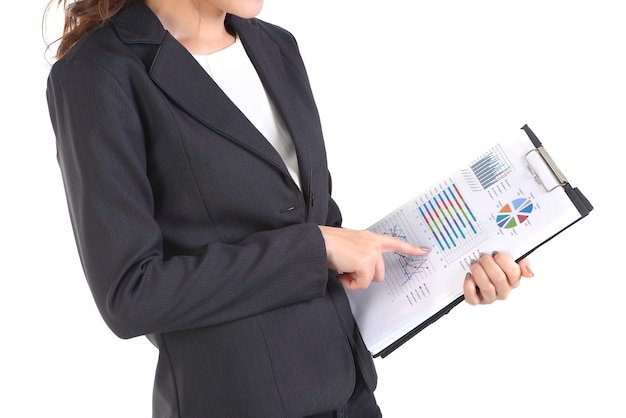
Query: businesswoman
(196, 178)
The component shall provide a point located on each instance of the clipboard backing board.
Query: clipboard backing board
(511, 198)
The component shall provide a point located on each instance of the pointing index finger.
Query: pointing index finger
(393, 244)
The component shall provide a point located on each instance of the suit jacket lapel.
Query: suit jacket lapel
(288, 99)
(186, 82)
(178, 74)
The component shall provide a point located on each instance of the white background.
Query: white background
(407, 91)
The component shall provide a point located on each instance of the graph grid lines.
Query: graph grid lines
(405, 276)
(491, 167)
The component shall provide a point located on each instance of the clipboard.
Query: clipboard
(511, 198)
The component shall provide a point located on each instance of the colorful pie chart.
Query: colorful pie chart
(514, 213)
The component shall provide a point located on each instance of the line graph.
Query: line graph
(405, 276)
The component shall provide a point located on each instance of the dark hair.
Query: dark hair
(81, 16)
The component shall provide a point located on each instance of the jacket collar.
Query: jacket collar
(181, 78)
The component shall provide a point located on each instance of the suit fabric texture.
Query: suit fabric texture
(190, 229)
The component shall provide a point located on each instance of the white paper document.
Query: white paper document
(511, 198)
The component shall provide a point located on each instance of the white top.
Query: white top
(233, 71)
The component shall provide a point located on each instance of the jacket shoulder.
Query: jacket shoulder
(101, 46)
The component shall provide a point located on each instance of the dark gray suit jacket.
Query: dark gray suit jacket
(191, 230)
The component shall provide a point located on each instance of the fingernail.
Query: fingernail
(468, 276)
(530, 271)
(493, 254)
(427, 249)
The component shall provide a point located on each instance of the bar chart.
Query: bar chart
(451, 221)
(491, 167)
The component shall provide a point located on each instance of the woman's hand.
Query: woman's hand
(492, 277)
(358, 255)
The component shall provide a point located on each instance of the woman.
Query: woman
(196, 177)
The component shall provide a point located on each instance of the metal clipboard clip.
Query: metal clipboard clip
(561, 181)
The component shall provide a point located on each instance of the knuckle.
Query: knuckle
(500, 279)
(488, 292)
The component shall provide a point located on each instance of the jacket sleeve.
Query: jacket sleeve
(102, 156)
